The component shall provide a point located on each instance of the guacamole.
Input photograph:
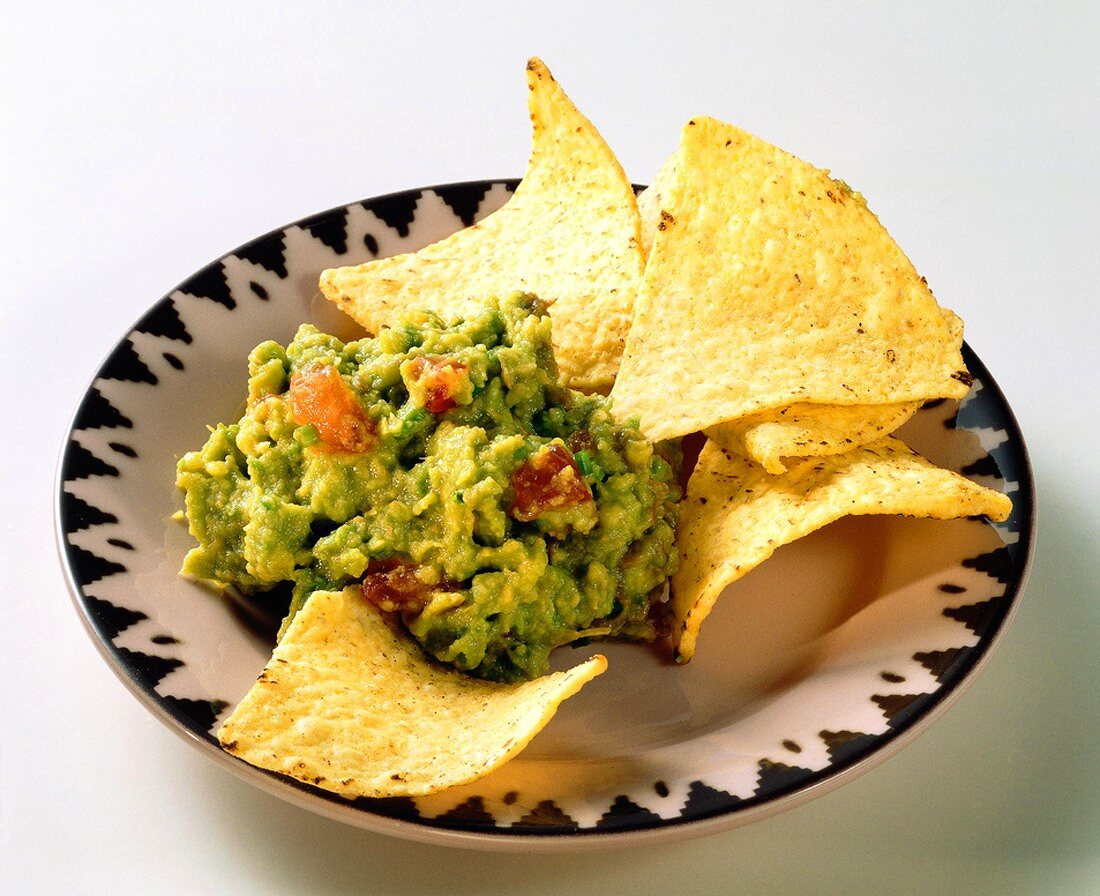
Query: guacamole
(442, 466)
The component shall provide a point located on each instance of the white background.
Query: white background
(141, 141)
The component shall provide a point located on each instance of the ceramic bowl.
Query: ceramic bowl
(815, 667)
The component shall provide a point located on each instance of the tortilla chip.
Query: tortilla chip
(349, 705)
(570, 234)
(649, 209)
(796, 430)
(809, 430)
(650, 201)
(816, 430)
(769, 283)
(735, 514)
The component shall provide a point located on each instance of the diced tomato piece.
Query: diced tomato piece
(548, 480)
(320, 397)
(441, 378)
(581, 440)
(393, 586)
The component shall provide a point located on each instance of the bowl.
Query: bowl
(819, 665)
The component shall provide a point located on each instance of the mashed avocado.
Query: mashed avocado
(499, 514)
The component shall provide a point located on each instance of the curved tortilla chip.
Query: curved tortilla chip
(735, 514)
(570, 234)
(348, 705)
(770, 283)
(809, 430)
(816, 430)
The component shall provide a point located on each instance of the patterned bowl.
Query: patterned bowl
(816, 667)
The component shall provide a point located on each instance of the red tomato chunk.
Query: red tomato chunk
(548, 480)
(442, 379)
(392, 585)
(319, 397)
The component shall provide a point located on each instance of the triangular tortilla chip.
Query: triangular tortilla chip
(349, 705)
(570, 234)
(809, 430)
(736, 515)
(770, 283)
(796, 430)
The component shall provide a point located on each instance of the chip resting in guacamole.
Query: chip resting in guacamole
(442, 466)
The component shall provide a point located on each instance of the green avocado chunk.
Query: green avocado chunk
(441, 464)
